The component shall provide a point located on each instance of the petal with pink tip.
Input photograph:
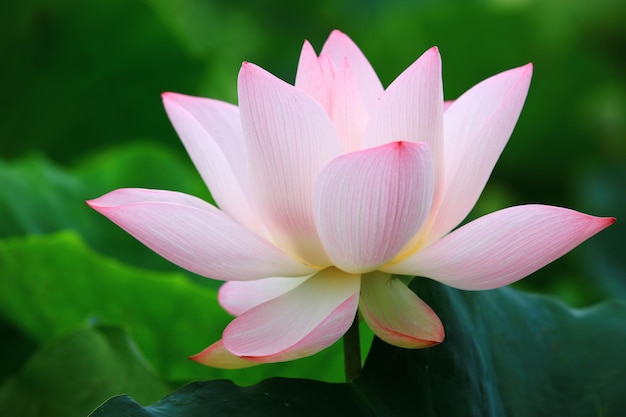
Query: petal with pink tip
(289, 139)
(396, 314)
(314, 76)
(477, 127)
(348, 111)
(195, 235)
(298, 323)
(411, 108)
(369, 204)
(211, 132)
(217, 356)
(501, 247)
(339, 47)
(237, 297)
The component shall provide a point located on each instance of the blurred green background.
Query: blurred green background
(82, 116)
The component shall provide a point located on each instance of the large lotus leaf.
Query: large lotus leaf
(52, 284)
(506, 353)
(72, 376)
(37, 196)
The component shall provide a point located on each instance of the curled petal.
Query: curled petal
(237, 297)
(396, 314)
(195, 235)
(298, 323)
(477, 127)
(289, 139)
(501, 247)
(369, 204)
(217, 356)
(339, 47)
(212, 134)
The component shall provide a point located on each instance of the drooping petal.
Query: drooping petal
(195, 235)
(348, 111)
(396, 314)
(289, 139)
(237, 297)
(298, 323)
(369, 204)
(501, 247)
(217, 356)
(314, 76)
(339, 47)
(212, 134)
(477, 127)
(411, 108)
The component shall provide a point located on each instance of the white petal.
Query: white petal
(501, 247)
(298, 323)
(347, 108)
(411, 108)
(396, 314)
(217, 356)
(339, 47)
(290, 138)
(195, 235)
(237, 297)
(212, 134)
(315, 76)
(477, 127)
(369, 204)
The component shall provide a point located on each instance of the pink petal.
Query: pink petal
(502, 247)
(369, 204)
(477, 127)
(411, 109)
(315, 76)
(195, 235)
(217, 356)
(237, 297)
(299, 323)
(347, 108)
(211, 132)
(339, 47)
(396, 314)
(290, 138)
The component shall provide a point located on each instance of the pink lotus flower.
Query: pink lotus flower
(328, 188)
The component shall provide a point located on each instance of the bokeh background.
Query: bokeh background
(82, 115)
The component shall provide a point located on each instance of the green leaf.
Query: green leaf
(77, 373)
(15, 349)
(54, 284)
(505, 353)
(75, 87)
(38, 197)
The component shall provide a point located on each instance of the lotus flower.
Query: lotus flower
(329, 188)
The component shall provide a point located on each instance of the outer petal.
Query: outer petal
(195, 235)
(299, 323)
(339, 47)
(477, 127)
(411, 108)
(396, 314)
(237, 297)
(290, 138)
(502, 247)
(369, 204)
(211, 132)
(217, 356)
